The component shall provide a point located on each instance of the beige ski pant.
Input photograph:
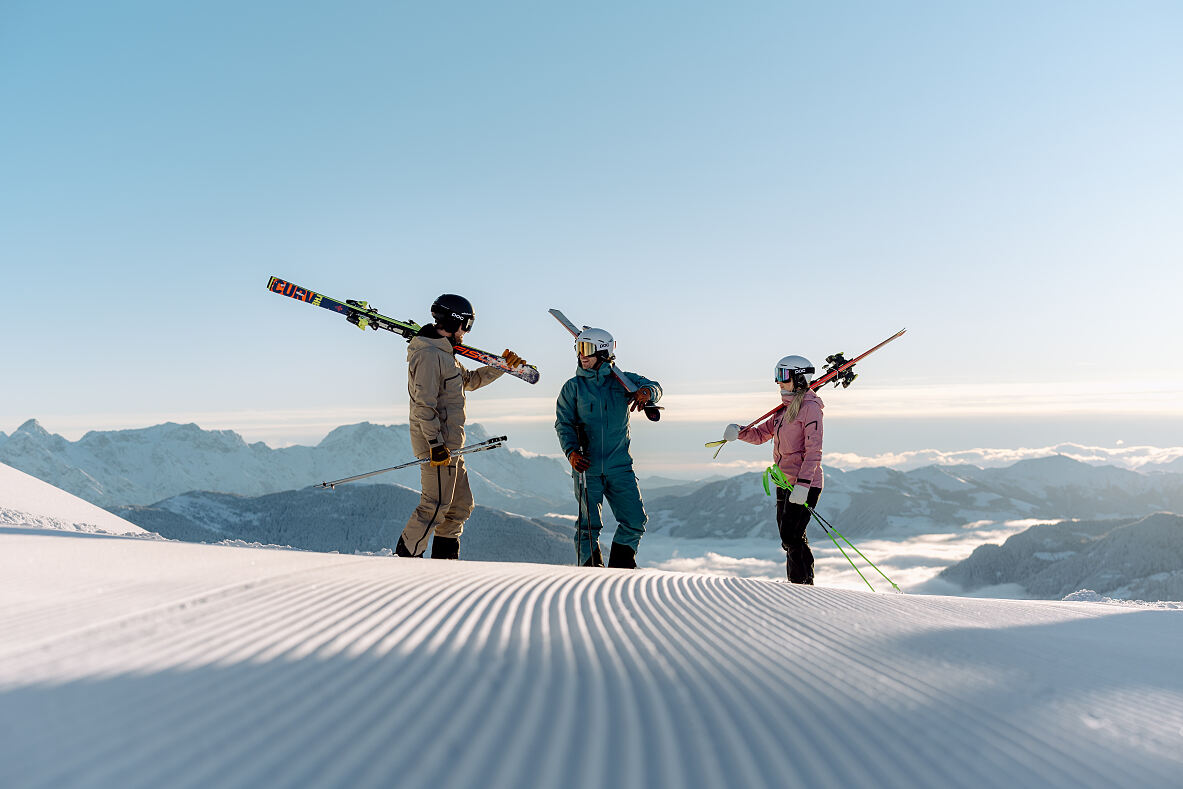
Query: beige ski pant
(446, 502)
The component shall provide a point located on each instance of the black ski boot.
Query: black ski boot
(445, 547)
(622, 556)
(401, 549)
(596, 559)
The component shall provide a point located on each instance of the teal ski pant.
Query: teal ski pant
(624, 497)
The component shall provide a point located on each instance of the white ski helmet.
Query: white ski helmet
(794, 368)
(595, 342)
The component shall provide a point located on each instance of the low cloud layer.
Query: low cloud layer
(1134, 457)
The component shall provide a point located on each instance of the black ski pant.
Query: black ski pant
(792, 520)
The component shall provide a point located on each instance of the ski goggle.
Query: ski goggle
(785, 374)
(464, 322)
(585, 348)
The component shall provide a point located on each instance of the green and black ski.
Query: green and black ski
(362, 315)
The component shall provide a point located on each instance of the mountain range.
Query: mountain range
(1121, 558)
(146, 465)
(350, 519)
(891, 503)
(210, 486)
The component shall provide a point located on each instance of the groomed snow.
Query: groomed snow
(128, 662)
(29, 502)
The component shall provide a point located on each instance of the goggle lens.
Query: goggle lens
(585, 348)
(783, 374)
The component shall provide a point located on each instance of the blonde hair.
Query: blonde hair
(795, 406)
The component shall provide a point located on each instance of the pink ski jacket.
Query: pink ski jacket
(797, 445)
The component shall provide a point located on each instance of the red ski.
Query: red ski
(838, 371)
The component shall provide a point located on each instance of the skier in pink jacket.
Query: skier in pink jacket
(797, 450)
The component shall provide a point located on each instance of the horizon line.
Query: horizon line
(1132, 457)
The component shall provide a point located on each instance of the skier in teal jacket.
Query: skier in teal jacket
(592, 423)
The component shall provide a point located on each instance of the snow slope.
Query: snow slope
(149, 663)
(27, 501)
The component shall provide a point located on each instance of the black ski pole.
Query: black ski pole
(579, 521)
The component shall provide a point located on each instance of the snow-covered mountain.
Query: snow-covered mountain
(140, 467)
(1140, 559)
(653, 487)
(27, 502)
(351, 519)
(883, 501)
(145, 663)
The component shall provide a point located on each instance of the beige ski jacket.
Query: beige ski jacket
(436, 383)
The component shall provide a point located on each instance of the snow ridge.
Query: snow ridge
(26, 501)
(248, 668)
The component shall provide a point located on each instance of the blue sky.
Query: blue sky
(717, 184)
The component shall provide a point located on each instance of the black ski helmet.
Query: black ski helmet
(452, 312)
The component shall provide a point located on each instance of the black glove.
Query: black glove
(440, 456)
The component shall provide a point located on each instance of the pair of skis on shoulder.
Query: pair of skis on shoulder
(652, 412)
(362, 315)
(838, 370)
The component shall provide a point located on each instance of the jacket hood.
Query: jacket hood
(421, 341)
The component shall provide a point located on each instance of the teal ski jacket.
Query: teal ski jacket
(597, 402)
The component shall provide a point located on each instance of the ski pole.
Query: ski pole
(492, 443)
(777, 476)
(830, 527)
(781, 481)
(583, 507)
(839, 547)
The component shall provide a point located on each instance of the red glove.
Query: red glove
(579, 462)
(640, 398)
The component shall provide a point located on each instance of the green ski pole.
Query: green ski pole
(778, 477)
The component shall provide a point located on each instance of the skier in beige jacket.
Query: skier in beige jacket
(436, 383)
